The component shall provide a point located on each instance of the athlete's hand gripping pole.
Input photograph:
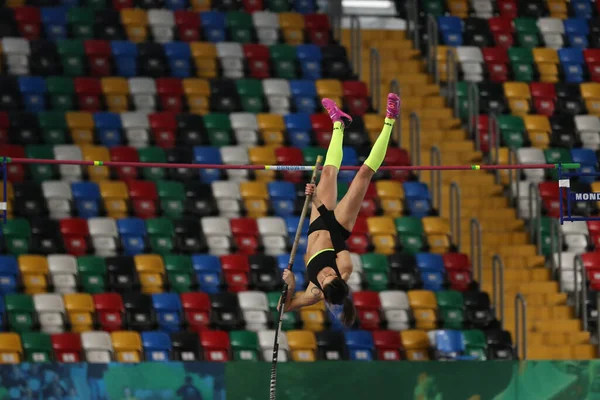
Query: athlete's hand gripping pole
(284, 291)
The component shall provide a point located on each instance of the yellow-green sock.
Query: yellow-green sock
(335, 152)
(377, 154)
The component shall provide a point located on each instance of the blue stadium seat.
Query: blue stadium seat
(577, 30)
(298, 268)
(588, 160)
(168, 311)
(108, 127)
(450, 29)
(213, 23)
(87, 198)
(582, 8)
(176, 4)
(283, 196)
(449, 345)
(304, 6)
(125, 55)
(179, 56)
(133, 233)
(291, 223)
(310, 57)
(418, 198)
(350, 158)
(208, 155)
(9, 273)
(432, 270)
(208, 272)
(33, 92)
(157, 346)
(360, 345)
(298, 125)
(55, 22)
(571, 59)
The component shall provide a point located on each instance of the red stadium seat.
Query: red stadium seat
(16, 172)
(143, 195)
(245, 234)
(388, 345)
(164, 128)
(121, 4)
(594, 229)
(318, 29)
(290, 156)
(109, 309)
(197, 310)
(369, 207)
(397, 156)
(251, 6)
(544, 97)
(591, 262)
(188, 25)
(125, 154)
(592, 59)
(496, 60)
(485, 136)
(67, 347)
(368, 308)
(4, 126)
(235, 270)
(75, 235)
(549, 192)
(89, 94)
(170, 94)
(98, 53)
(28, 22)
(322, 126)
(356, 97)
(359, 241)
(458, 267)
(508, 8)
(502, 29)
(257, 58)
(216, 345)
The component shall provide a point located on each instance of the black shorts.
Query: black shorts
(319, 225)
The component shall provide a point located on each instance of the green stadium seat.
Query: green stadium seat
(17, 236)
(451, 304)
(92, 271)
(512, 130)
(342, 189)
(283, 57)
(172, 196)
(21, 312)
(375, 270)
(311, 153)
(160, 232)
(411, 234)
(462, 91)
(54, 127)
(218, 127)
(72, 55)
(527, 32)
(521, 61)
(433, 7)
(96, 4)
(153, 154)
(278, 6)
(180, 272)
(60, 91)
(475, 343)
(81, 22)
(37, 347)
(557, 155)
(546, 232)
(244, 345)
(290, 319)
(240, 26)
(252, 95)
(41, 172)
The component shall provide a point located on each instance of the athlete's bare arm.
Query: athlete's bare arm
(294, 300)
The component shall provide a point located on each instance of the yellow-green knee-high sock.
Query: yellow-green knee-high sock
(334, 151)
(379, 149)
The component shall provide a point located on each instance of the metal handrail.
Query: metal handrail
(436, 177)
(455, 207)
(473, 112)
(582, 311)
(412, 11)
(356, 45)
(521, 325)
(375, 77)
(498, 295)
(451, 77)
(415, 140)
(395, 88)
(535, 223)
(432, 45)
(475, 230)
(556, 246)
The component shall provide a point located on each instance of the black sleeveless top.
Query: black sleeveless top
(324, 259)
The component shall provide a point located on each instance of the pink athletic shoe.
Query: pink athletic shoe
(393, 106)
(335, 113)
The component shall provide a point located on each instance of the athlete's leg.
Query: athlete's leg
(327, 187)
(347, 211)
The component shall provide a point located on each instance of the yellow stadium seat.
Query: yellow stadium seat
(15, 3)
(201, 5)
(197, 92)
(81, 126)
(80, 307)
(519, 96)
(115, 196)
(11, 350)
(271, 128)
(438, 233)
(416, 344)
(205, 58)
(558, 9)
(292, 25)
(424, 305)
(135, 21)
(256, 196)
(590, 91)
(116, 92)
(390, 194)
(383, 234)
(331, 88)
(303, 345)
(34, 273)
(547, 63)
(10, 195)
(96, 153)
(313, 317)
(262, 155)
(127, 346)
(442, 61)
(459, 8)
(538, 127)
(151, 269)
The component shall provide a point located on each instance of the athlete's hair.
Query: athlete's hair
(336, 292)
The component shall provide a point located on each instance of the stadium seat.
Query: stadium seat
(97, 346)
(244, 345)
(127, 346)
(360, 345)
(67, 347)
(80, 311)
(157, 346)
(186, 346)
(303, 345)
(266, 340)
(37, 347)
